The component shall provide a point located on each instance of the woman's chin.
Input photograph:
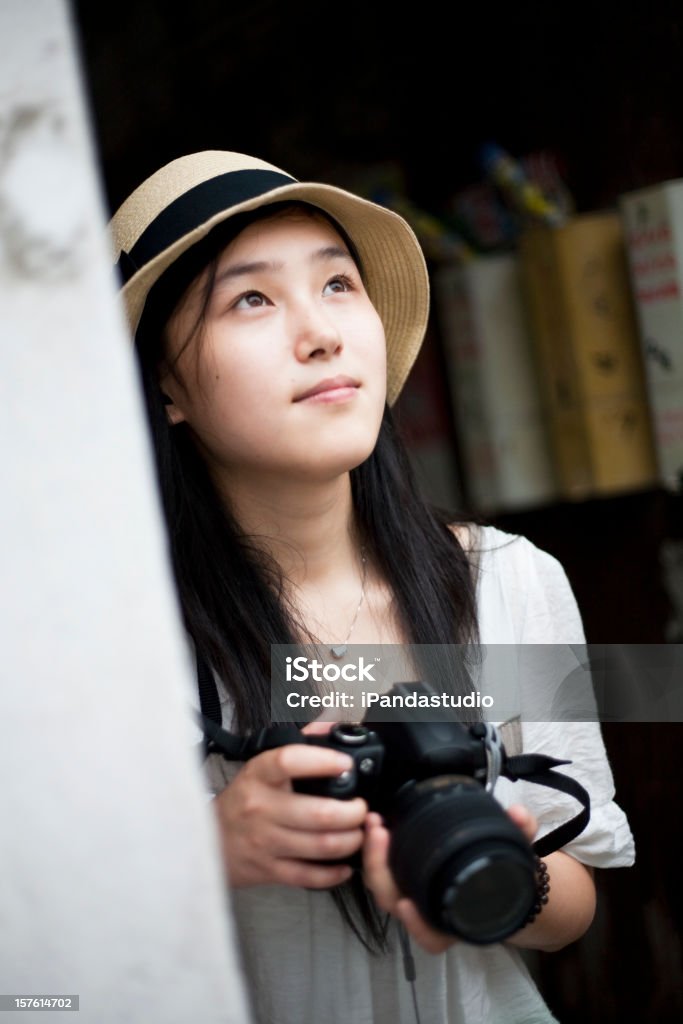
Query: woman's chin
(329, 465)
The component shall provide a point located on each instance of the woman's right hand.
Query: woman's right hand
(271, 834)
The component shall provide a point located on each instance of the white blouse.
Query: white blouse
(303, 965)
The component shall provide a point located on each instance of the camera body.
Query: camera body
(454, 850)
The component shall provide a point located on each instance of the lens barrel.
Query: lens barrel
(457, 854)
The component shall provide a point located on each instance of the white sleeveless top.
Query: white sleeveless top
(303, 965)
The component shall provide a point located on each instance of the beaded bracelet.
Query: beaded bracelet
(542, 890)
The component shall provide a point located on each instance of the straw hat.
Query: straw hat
(179, 204)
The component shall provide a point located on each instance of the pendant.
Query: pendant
(338, 651)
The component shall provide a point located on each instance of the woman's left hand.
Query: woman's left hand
(380, 881)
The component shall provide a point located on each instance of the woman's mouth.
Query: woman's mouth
(330, 390)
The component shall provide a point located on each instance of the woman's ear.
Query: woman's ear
(174, 413)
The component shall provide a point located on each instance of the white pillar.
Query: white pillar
(110, 883)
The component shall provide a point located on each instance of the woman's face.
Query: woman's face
(289, 374)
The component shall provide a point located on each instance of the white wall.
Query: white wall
(110, 885)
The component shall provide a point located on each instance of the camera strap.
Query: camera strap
(240, 748)
(219, 740)
(538, 768)
(209, 701)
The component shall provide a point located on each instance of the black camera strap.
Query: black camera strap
(241, 748)
(209, 700)
(538, 768)
(219, 740)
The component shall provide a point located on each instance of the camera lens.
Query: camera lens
(488, 895)
(458, 855)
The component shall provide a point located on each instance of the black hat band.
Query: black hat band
(195, 207)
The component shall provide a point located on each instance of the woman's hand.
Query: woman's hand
(270, 834)
(379, 880)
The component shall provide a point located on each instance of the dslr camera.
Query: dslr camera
(454, 851)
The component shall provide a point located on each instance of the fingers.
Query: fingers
(299, 811)
(269, 833)
(248, 864)
(296, 761)
(258, 849)
(318, 846)
(317, 728)
(379, 880)
(524, 820)
(378, 877)
(310, 876)
(424, 934)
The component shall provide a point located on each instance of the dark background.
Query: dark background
(324, 91)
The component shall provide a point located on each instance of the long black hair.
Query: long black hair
(233, 597)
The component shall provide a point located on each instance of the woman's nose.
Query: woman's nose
(317, 335)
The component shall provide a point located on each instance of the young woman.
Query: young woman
(275, 324)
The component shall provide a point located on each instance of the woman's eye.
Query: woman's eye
(340, 283)
(250, 300)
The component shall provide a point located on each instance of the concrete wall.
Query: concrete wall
(110, 884)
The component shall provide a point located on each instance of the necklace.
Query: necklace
(339, 650)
